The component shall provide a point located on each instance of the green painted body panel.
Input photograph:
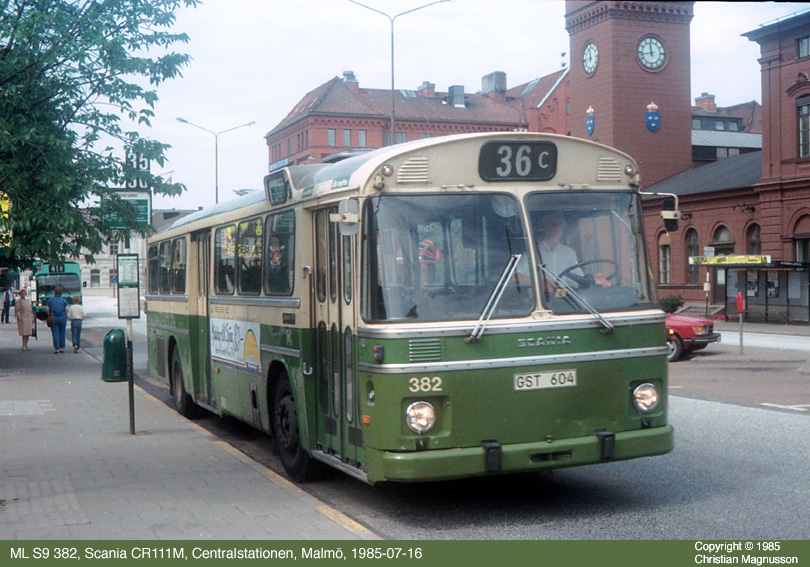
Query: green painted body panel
(537, 429)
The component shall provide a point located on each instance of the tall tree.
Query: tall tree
(77, 80)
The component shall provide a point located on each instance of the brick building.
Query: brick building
(754, 204)
(628, 86)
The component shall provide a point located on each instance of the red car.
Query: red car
(686, 334)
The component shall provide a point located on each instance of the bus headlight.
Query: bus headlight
(645, 398)
(420, 417)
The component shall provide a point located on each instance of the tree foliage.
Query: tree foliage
(77, 82)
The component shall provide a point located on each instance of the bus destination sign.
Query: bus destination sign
(517, 161)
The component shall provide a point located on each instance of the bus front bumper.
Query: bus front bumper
(491, 458)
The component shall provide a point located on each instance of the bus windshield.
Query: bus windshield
(69, 282)
(439, 257)
(586, 245)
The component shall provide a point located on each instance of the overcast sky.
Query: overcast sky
(253, 60)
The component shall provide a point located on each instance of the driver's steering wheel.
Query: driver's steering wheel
(612, 275)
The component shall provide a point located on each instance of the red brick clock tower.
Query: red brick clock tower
(630, 80)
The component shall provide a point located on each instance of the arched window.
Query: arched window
(692, 246)
(753, 240)
(664, 259)
(801, 236)
(803, 112)
(723, 243)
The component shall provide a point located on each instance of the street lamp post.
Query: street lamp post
(391, 19)
(216, 149)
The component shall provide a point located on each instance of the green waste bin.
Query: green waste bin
(114, 368)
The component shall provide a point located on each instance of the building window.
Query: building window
(803, 249)
(361, 138)
(95, 278)
(664, 259)
(733, 126)
(803, 105)
(719, 125)
(347, 138)
(753, 240)
(330, 137)
(803, 46)
(692, 242)
(723, 243)
(696, 124)
(113, 248)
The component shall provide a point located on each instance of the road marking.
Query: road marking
(791, 408)
(25, 407)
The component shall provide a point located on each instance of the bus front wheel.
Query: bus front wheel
(299, 466)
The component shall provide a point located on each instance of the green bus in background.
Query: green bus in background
(67, 275)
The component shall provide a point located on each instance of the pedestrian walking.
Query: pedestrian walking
(24, 312)
(57, 317)
(8, 297)
(76, 315)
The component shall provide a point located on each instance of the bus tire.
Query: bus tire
(298, 464)
(183, 403)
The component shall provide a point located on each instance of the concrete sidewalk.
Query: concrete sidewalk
(70, 469)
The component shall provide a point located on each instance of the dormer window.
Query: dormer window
(803, 45)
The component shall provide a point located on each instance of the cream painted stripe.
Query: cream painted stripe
(338, 517)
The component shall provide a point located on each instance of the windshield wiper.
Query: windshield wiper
(569, 291)
(494, 298)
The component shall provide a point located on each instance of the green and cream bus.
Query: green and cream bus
(393, 315)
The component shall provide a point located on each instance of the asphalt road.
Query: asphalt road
(740, 468)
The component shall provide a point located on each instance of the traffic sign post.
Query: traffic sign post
(129, 308)
(741, 313)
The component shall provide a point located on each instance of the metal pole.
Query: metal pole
(741, 331)
(216, 149)
(131, 379)
(391, 19)
(393, 98)
(216, 168)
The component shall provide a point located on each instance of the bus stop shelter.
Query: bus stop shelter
(775, 291)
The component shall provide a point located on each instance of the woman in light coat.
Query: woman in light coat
(25, 318)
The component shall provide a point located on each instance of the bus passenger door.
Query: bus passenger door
(200, 340)
(333, 325)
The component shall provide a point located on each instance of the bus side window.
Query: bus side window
(179, 265)
(249, 252)
(164, 271)
(153, 268)
(224, 259)
(279, 248)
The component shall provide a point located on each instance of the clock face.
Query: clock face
(589, 58)
(651, 53)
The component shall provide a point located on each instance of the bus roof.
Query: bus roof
(317, 180)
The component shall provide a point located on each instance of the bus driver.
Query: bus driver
(556, 257)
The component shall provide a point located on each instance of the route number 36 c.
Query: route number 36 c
(426, 384)
(517, 161)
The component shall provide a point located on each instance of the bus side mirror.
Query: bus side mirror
(670, 214)
(84, 284)
(347, 217)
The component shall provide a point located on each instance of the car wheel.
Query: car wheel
(675, 348)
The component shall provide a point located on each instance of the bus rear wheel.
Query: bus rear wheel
(183, 403)
(298, 464)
